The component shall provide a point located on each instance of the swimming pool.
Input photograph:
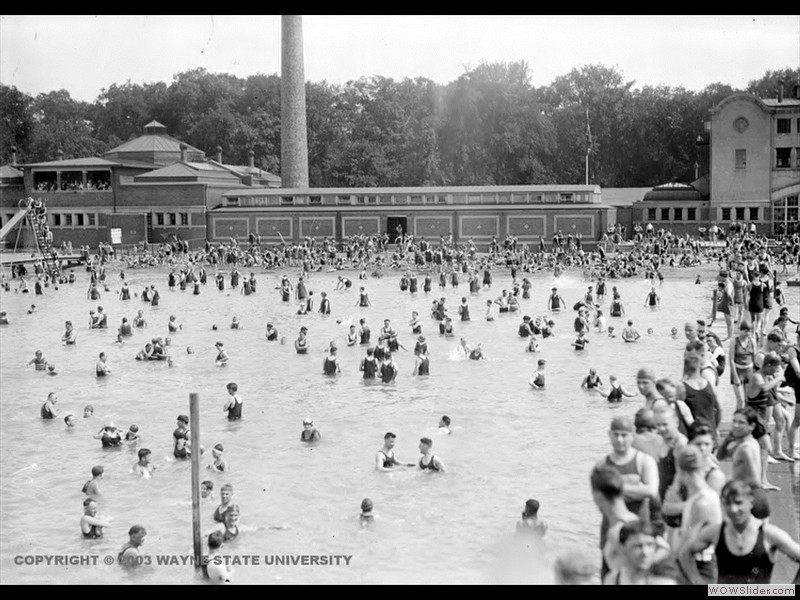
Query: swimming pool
(509, 443)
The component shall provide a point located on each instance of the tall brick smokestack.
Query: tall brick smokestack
(294, 140)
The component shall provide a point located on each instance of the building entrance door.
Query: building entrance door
(395, 227)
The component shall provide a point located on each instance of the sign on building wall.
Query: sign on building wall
(116, 235)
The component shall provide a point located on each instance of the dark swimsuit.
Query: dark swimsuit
(753, 567)
(389, 461)
(430, 466)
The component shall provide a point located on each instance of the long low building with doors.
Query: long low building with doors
(478, 213)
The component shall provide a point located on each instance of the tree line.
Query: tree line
(488, 127)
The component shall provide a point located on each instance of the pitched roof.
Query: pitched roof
(90, 161)
(9, 172)
(188, 172)
(153, 143)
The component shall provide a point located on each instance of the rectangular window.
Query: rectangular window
(441, 199)
(783, 158)
(159, 218)
(315, 200)
(726, 214)
(473, 199)
(665, 214)
(415, 199)
(287, 200)
(754, 213)
(342, 199)
(68, 220)
(784, 126)
(565, 197)
(56, 220)
(741, 159)
(79, 219)
(651, 214)
(91, 219)
(540, 198)
(233, 201)
(361, 199)
(691, 214)
(678, 214)
(173, 218)
(740, 213)
(184, 218)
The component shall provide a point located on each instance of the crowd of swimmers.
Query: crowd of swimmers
(670, 515)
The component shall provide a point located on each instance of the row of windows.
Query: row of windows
(785, 126)
(677, 214)
(740, 213)
(173, 219)
(73, 219)
(393, 199)
(783, 158)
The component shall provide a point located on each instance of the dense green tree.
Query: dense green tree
(487, 127)
(493, 130)
(61, 125)
(121, 111)
(17, 124)
(768, 85)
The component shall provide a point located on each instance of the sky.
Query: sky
(85, 54)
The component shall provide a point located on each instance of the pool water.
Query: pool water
(509, 442)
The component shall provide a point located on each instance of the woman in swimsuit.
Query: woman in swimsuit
(745, 546)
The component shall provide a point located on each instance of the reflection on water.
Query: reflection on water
(509, 443)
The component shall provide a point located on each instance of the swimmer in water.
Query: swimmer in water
(219, 465)
(101, 368)
(530, 523)
(132, 435)
(309, 433)
(39, 361)
(226, 501)
(444, 425)
(92, 487)
(206, 487)
(429, 462)
(222, 355)
(366, 517)
(537, 379)
(69, 422)
(91, 525)
(592, 382)
(611, 333)
(88, 411)
(629, 333)
(216, 570)
(144, 467)
(674, 333)
(385, 458)
(109, 435)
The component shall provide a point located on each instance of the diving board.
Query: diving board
(13, 222)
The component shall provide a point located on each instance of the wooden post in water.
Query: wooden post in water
(194, 419)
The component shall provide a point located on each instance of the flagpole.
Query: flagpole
(587, 167)
(589, 145)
